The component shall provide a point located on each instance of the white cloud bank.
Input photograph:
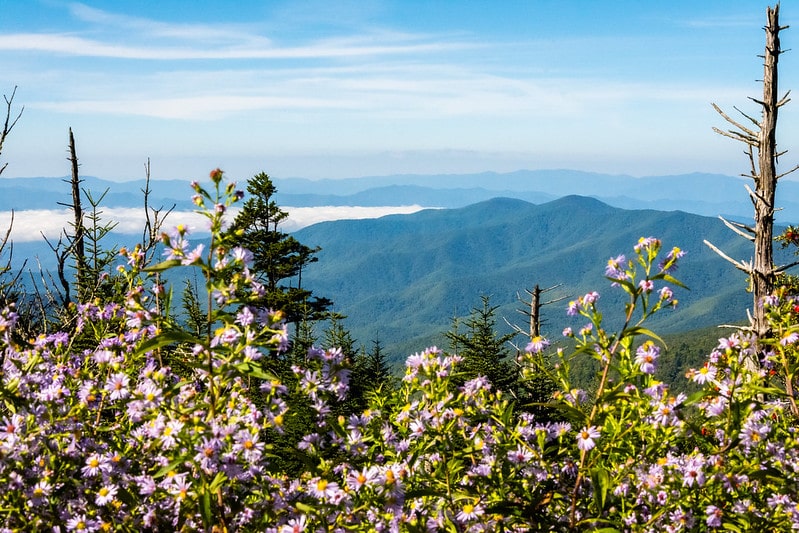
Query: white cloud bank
(30, 225)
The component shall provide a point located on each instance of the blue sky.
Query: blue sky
(324, 89)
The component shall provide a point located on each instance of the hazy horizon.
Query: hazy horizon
(317, 90)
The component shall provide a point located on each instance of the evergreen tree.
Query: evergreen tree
(277, 256)
(376, 370)
(194, 318)
(304, 338)
(484, 352)
(337, 336)
(370, 372)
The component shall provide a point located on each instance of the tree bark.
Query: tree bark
(78, 239)
(763, 271)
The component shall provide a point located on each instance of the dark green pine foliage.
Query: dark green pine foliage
(371, 376)
(370, 371)
(278, 263)
(194, 320)
(534, 395)
(301, 417)
(337, 336)
(304, 338)
(278, 258)
(484, 352)
(376, 370)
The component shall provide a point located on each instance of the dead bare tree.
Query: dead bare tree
(532, 309)
(77, 240)
(71, 245)
(153, 218)
(9, 123)
(761, 149)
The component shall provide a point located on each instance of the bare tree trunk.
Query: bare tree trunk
(9, 123)
(78, 239)
(762, 139)
(763, 271)
(535, 310)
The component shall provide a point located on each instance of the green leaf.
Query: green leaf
(638, 330)
(616, 393)
(625, 284)
(305, 508)
(205, 508)
(165, 338)
(729, 526)
(601, 481)
(698, 396)
(163, 265)
(164, 470)
(674, 281)
(250, 368)
(421, 492)
(572, 413)
(217, 482)
(768, 390)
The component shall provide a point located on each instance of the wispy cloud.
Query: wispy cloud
(310, 77)
(208, 107)
(300, 217)
(406, 76)
(63, 44)
(32, 225)
(719, 21)
(149, 28)
(410, 92)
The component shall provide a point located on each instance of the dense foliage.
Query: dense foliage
(276, 256)
(130, 421)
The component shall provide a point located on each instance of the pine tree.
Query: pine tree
(195, 319)
(304, 338)
(337, 336)
(277, 256)
(484, 352)
(376, 370)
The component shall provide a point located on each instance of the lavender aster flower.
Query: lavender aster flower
(586, 436)
(646, 356)
(537, 345)
(615, 268)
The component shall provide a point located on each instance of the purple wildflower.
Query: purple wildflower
(714, 515)
(586, 436)
(646, 356)
(615, 268)
(646, 285)
(537, 345)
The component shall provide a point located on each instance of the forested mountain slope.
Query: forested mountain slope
(404, 277)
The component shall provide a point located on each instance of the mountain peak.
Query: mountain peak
(575, 201)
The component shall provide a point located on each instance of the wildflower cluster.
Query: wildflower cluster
(130, 422)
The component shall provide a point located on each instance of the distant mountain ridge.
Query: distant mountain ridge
(402, 278)
(48, 193)
(703, 194)
(699, 193)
